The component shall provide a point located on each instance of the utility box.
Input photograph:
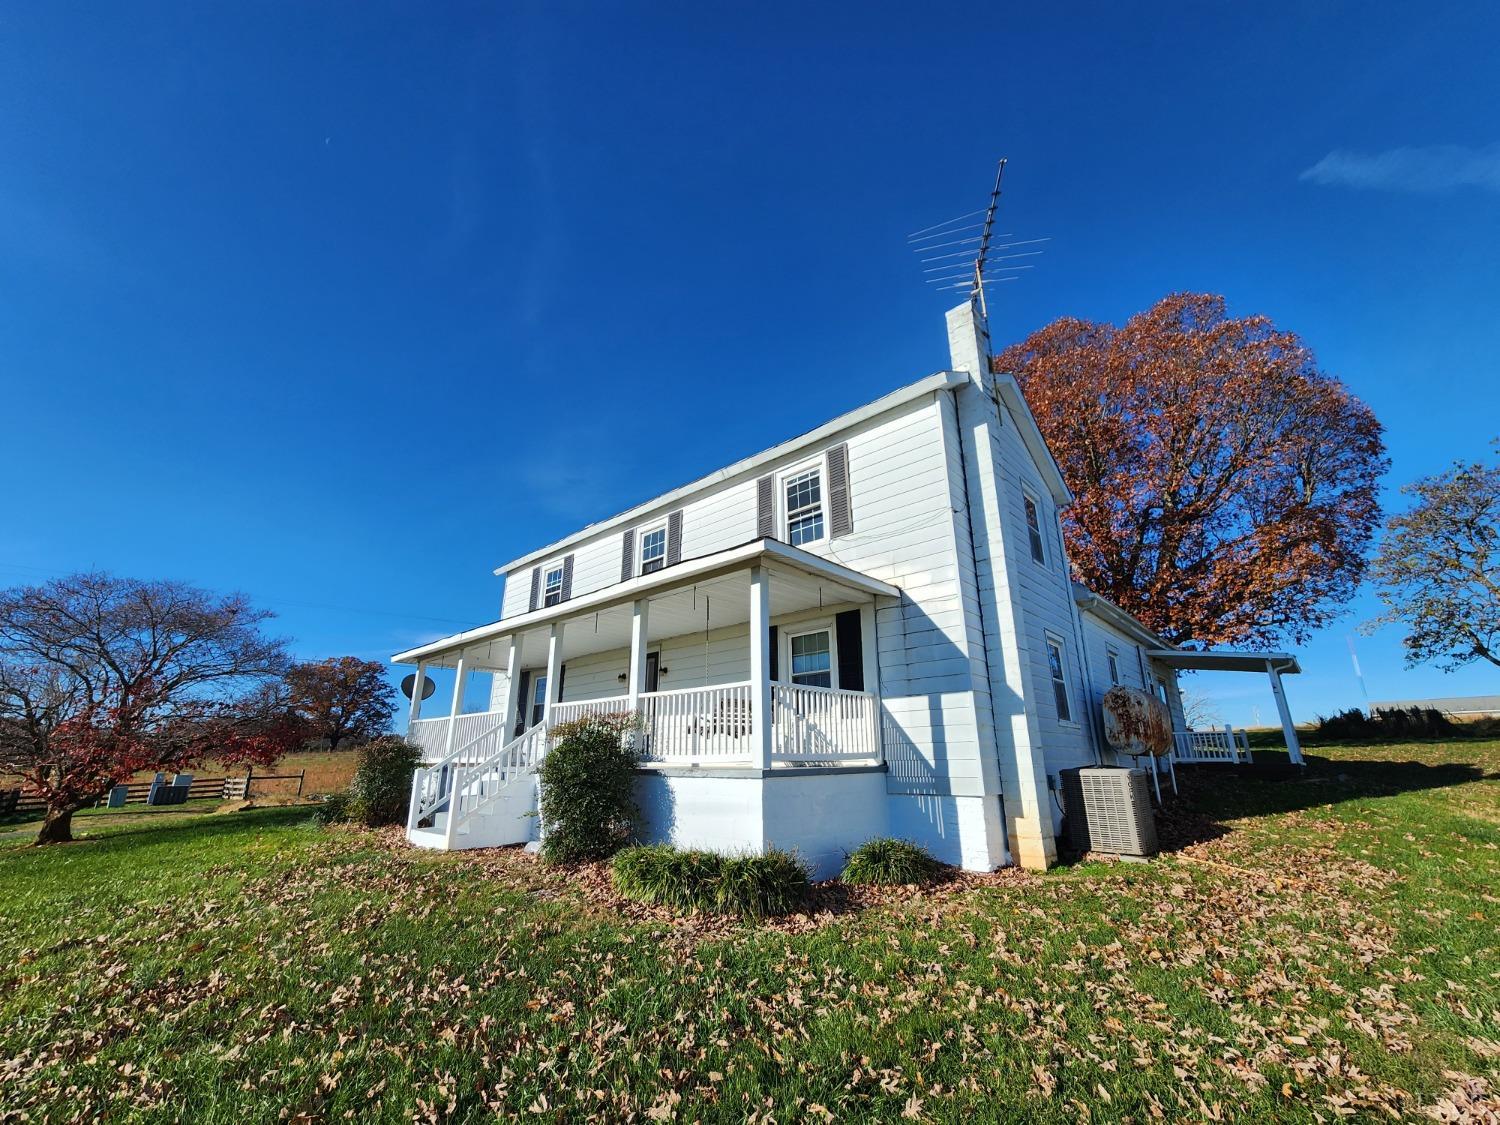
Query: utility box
(1109, 810)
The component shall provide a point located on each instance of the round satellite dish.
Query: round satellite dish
(428, 687)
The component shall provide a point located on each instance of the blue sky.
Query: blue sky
(345, 304)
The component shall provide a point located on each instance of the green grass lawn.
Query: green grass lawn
(1326, 949)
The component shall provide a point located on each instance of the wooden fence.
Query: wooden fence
(31, 805)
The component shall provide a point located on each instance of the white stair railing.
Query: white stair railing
(478, 736)
(479, 784)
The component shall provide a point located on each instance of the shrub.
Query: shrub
(380, 792)
(333, 809)
(890, 863)
(752, 886)
(1354, 725)
(588, 789)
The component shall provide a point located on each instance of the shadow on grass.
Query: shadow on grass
(1212, 794)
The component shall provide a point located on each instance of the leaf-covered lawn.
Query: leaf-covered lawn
(1328, 949)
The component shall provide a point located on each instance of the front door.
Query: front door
(653, 661)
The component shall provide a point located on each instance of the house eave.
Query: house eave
(938, 381)
(1106, 610)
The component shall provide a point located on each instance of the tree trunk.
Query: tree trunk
(57, 828)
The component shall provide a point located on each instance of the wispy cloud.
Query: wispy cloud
(1433, 168)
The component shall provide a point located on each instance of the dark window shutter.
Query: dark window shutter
(674, 538)
(562, 678)
(536, 589)
(627, 556)
(567, 590)
(851, 650)
(775, 654)
(765, 508)
(840, 517)
(523, 708)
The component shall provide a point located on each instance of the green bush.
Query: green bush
(890, 863)
(588, 789)
(1354, 725)
(752, 886)
(380, 792)
(333, 809)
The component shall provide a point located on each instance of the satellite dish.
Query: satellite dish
(428, 687)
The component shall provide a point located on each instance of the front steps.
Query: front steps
(508, 818)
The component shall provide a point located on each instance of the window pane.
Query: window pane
(654, 544)
(1059, 682)
(805, 529)
(1054, 660)
(1061, 692)
(803, 491)
(812, 661)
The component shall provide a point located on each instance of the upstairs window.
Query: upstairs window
(1114, 666)
(1034, 529)
(804, 507)
(812, 659)
(1059, 680)
(654, 549)
(552, 586)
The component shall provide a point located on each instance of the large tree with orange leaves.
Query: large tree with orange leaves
(1226, 487)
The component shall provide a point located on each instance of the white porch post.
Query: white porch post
(418, 684)
(458, 700)
(554, 666)
(761, 719)
(871, 656)
(512, 706)
(1293, 747)
(639, 622)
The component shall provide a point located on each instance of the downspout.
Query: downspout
(984, 645)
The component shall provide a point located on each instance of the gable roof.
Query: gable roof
(938, 381)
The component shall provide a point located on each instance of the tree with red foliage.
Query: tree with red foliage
(343, 697)
(102, 677)
(1226, 487)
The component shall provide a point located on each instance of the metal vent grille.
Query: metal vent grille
(1109, 810)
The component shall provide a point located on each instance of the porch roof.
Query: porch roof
(1226, 660)
(815, 580)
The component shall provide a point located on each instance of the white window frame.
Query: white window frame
(803, 629)
(1054, 642)
(547, 572)
(1112, 659)
(640, 550)
(818, 465)
(1030, 506)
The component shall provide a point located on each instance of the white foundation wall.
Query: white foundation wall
(822, 814)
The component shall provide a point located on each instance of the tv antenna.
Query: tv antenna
(972, 265)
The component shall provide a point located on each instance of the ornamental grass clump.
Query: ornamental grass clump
(587, 777)
(890, 863)
(752, 886)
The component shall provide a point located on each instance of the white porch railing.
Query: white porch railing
(814, 725)
(431, 735)
(708, 725)
(567, 712)
(1226, 745)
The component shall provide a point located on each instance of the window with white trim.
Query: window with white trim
(552, 586)
(802, 497)
(1114, 665)
(812, 658)
(654, 549)
(1058, 669)
(1034, 529)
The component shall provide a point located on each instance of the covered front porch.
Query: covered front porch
(762, 657)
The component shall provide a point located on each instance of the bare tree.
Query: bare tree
(101, 677)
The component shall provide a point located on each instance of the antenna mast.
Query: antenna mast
(961, 253)
(984, 242)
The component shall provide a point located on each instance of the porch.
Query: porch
(754, 661)
(1228, 744)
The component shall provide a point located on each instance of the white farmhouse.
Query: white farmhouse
(867, 630)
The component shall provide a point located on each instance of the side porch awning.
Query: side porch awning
(1273, 665)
